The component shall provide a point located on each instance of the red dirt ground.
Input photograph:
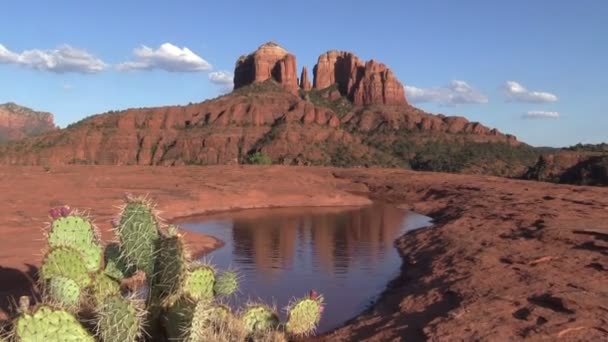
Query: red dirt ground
(506, 260)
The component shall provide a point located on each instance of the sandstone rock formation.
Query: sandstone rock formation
(304, 81)
(330, 125)
(269, 61)
(364, 83)
(17, 122)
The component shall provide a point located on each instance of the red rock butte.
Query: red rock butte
(363, 83)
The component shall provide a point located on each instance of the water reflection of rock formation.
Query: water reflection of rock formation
(329, 239)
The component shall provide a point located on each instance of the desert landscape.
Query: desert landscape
(362, 207)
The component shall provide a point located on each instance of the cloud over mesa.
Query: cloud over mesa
(62, 59)
(540, 114)
(167, 57)
(518, 93)
(456, 92)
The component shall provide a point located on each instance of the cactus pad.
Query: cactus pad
(226, 284)
(209, 320)
(170, 270)
(103, 287)
(64, 292)
(304, 315)
(65, 262)
(119, 319)
(259, 318)
(116, 268)
(78, 233)
(200, 282)
(177, 319)
(138, 234)
(50, 325)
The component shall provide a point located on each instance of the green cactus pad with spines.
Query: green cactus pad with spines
(119, 319)
(116, 267)
(199, 321)
(304, 315)
(170, 270)
(50, 325)
(208, 320)
(65, 262)
(78, 233)
(177, 319)
(138, 234)
(226, 284)
(103, 287)
(64, 292)
(259, 318)
(200, 282)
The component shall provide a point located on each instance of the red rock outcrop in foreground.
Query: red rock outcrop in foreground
(17, 122)
(363, 83)
(269, 61)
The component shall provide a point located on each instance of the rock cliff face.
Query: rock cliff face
(268, 112)
(269, 61)
(304, 81)
(17, 122)
(364, 83)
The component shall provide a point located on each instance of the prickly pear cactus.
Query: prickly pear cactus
(116, 267)
(178, 318)
(170, 270)
(138, 234)
(200, 282)
(226, 284)
(78, 233)
(119, 319)
(65, 262)
(258, 318)
(64, 292)
(50, 325)
(103, 287)
(208, 320)
(304, 315)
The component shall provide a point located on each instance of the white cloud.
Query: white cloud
(63, 59)
(221, 77)
(540, 114)
(456, 92)
(167, 57)
(516, 92)
(67, 86)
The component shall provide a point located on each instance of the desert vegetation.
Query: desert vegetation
(144, 286)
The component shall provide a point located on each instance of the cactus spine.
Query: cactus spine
(120, 319)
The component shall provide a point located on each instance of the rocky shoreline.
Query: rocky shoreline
(505, 260)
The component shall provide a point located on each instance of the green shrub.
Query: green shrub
(259, 158)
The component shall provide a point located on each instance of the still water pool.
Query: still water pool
(346, 254)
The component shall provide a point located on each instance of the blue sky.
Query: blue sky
(454, 57)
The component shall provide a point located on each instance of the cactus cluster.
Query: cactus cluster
(143, 286)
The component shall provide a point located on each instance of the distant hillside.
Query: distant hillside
(18, 122)
(354, 114)
(582, 164)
